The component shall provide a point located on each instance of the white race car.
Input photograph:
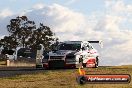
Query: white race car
(69, 53)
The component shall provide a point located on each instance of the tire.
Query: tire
(81, 80)
(84, 65)
(97, 62)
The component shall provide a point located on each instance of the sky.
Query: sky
(106, 20)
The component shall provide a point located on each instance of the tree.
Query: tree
(21, 29)
(42, 35)
(23, 33)
(8, 42)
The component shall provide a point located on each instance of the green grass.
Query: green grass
(64, 78)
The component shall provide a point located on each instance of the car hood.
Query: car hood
(61, 52)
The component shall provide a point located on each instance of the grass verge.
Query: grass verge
(64, 78)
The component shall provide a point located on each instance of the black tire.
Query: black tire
(81, 80)
(97, 62)
(84, 65)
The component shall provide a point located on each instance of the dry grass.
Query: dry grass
(2, 63)
(63, 79)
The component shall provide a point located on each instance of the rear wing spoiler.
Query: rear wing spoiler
(93, 41)
(100, 43)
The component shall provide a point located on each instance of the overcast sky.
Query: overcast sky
(106, 20)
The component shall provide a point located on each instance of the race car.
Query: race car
(68, 54)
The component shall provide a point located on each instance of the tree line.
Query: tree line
(25, 33)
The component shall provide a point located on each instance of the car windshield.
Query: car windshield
(70, 46)
(26, 52)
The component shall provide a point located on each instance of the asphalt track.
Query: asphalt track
(15, 71)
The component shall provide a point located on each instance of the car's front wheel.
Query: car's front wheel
(97, 62)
